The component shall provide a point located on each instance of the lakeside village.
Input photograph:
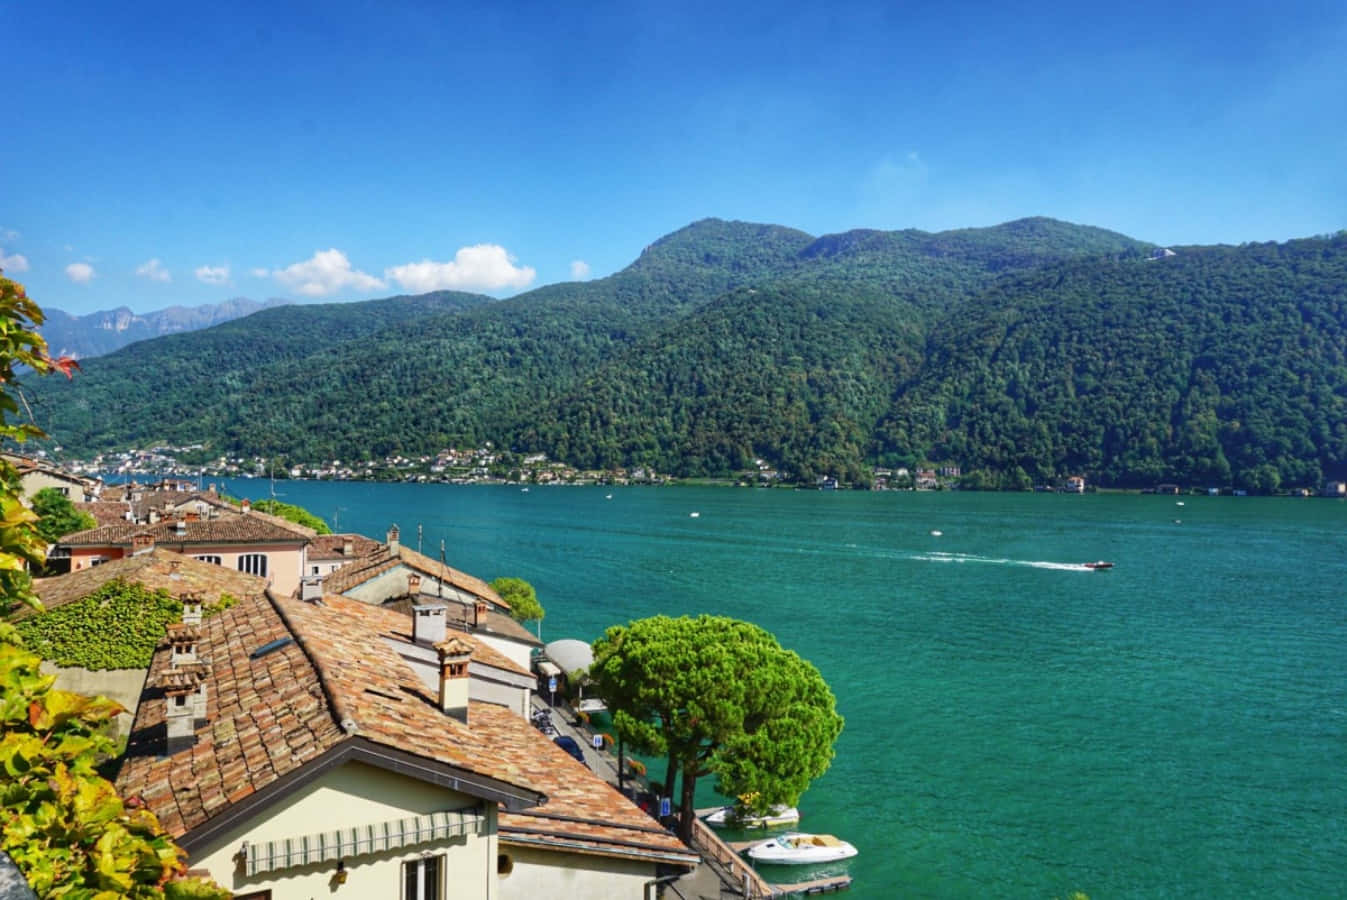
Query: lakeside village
(490, 465)
(333, 714)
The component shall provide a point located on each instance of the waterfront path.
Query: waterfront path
(721, 874)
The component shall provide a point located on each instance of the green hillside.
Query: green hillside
(1021, 352)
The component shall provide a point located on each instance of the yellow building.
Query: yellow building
(294, 750)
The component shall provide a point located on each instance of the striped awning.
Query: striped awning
(268, 856)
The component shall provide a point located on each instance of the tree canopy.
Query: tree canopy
(718, 696)
(58, 515)
(292, 513)
(523, 599)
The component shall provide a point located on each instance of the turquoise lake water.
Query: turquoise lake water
(1017, 726)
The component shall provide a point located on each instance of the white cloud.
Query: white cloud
(212, 274)
(480, 267)
(327, 272)
(13, 262)
(80, 273)
(154, 270)
(259, 272)
(579, 270)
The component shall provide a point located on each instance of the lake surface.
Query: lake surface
(1017, 726)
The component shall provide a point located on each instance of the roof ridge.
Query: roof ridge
(340, 714)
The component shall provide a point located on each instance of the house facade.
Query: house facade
(245, 543)
(293, 752)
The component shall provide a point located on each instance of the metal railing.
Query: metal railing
(709, 845)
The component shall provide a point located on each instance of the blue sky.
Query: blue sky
(180, 154)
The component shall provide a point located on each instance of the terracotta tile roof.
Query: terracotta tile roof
(382, 559)
(464, 618)
(159, 568)
(394, 621)
(270, 715)
(328, 547)
(583, 812)
(106, 512)
(266, 717)
(249, 529)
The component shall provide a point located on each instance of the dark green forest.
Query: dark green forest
(1022, 353)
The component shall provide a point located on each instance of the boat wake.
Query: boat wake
(998, 561)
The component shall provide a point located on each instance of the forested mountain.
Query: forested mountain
(107, 330)
(1021, 352)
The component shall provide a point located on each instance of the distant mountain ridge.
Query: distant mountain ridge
(1020, 353)
(97, 333)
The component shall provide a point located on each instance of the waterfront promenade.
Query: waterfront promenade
(722, 874)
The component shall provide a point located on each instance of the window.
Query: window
(313, 570)
(421, 879)
(253, 563)
(211, 559)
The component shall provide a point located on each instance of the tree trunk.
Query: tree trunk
(686, 811)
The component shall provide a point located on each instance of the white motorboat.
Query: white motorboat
(797, 849)
(738, 817)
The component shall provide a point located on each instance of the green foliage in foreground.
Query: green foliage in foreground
(523, 599)
(58, 516)
(291, 513)
(116, 627)
(718, 696)
(64, 825)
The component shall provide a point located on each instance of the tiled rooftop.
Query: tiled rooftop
(383, 559)
(271, 714)
(159, 568)
(395, 622)
(329, 547)
(240, 529)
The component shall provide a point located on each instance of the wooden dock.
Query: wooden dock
(817, 886)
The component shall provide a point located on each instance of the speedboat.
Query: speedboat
(1100, 564)
(797, 849)
(738, 817)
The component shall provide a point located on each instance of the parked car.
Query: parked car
(567, 743)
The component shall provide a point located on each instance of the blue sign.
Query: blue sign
(552, 683)
(665, 807)
(598, 742)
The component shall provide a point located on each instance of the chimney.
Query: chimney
(184, 703)
(180, 528)
(454, 656)
(141, 542)
(191, 609)
(183, 638)
(311, 588)
(348, 547)
(179, 717)
(413, 584)
(479, 609)
(393, 545)
(428, 623)
(246, 505)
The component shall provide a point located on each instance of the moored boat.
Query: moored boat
(797, 849)
(738, 817)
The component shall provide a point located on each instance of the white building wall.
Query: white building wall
(519, 654)
(538, 873)
(351, 795)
